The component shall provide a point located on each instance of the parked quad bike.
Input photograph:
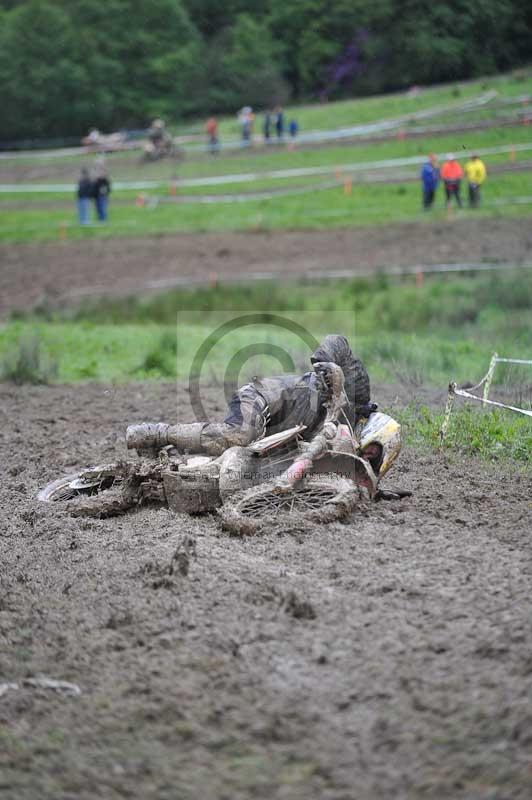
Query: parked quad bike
(278, 479)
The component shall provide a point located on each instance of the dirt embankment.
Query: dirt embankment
(384, 657)
(67, 271)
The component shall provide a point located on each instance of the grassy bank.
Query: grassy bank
(493, 435)
(445, 329)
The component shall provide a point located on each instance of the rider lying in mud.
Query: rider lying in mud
(270, 405)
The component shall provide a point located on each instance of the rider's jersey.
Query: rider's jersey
(291, 400)
(278, 403)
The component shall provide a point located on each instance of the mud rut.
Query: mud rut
(387, 657)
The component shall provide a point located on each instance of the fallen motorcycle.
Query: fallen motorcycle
(277, 479)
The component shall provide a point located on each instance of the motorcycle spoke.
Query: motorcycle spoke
(305, 499)
(65, 493)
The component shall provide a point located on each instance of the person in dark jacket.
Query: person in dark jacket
(430, 177)
(268, 405)
(267, 125)
(101, 189)
(279, 122)
(84, 194)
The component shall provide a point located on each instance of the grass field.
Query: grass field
(375, 204)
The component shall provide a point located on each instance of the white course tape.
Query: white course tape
(463, 393)
(514, 360)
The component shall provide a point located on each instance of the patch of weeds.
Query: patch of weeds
(160, 361)
(26, 363)
(493, 435)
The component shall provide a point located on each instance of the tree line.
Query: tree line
(68, 65)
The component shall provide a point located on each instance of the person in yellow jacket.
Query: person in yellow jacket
(475, 171)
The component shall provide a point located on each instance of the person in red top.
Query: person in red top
(451, 174)
(211, 128)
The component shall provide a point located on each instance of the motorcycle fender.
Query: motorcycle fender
(191, 493)
(348, 466)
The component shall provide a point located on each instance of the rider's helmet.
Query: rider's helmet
(380, 441)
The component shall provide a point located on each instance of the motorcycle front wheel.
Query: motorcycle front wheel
(318, 500)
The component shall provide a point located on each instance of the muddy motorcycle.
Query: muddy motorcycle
(280, 478)
(166, 148)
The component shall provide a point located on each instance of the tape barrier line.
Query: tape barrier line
(454, 391)
(488, 377)
(514, 360)
(463, 393)
(250, 177)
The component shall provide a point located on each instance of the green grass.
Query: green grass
(445, 330)
(86, 351)
(493, 435)
(24, 362)
(121, 352)
(375, 204)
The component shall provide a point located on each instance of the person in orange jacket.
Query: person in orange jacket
(451, 174)
(211, 129)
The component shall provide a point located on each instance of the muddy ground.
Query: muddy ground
(61, 271)
(384, 657)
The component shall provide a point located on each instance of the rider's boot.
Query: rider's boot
(156, 435)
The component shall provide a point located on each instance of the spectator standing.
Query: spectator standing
(246, 118)
(211, 127)
(267, 125)
(475, 171)
(101, 189)
(84, 196)
(430, 177)
(293, 128)
(452, 174)
(279, 122)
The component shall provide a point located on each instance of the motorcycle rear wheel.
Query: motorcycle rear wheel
(94, 492)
